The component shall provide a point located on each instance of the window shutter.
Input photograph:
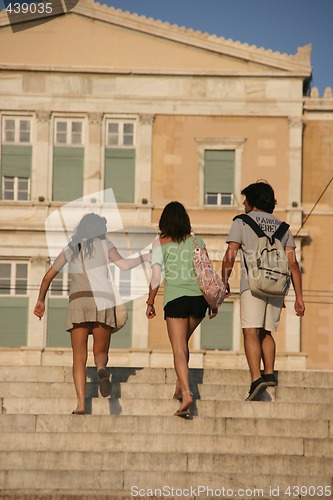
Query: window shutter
(120, 173)
(123, 338)
(16, 162)
(218, 332)
(56, 319)
(14, 321)
(219, 171)
(67, 173)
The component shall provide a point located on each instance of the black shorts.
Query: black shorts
(186, 306)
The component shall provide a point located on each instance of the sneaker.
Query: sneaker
(270, 379)
(257, 387)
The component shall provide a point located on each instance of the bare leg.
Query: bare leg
(180, 330)
(268, 350)
(102, 336)
(191, 326)
(252, 347)
(79, 339)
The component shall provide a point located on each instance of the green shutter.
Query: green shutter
(67, 173)
(15, 162)
(56, 318)
(123, 338)
(217, 333)
(120, 173)
(219, 171)
(14, 321)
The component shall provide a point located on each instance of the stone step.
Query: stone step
(158, 462)
(309, 378)
(167, 407)
(167, 443)
(163, 484)
(278, 427)
(164, 391)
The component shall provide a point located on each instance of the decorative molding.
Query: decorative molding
(295, 121)
(43, 116)
(146, 119)
(95, 118)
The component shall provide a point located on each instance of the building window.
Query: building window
(16, 159)
(60, 285)
(15, 188)
(219, 199)
(68, 159)
(219, 182)
(13, 278)
(68, 132)
(16, 130)
(120, 134)
(120, 154)
(220, 168)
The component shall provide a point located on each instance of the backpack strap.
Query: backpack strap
(252, 223)
(281, 231)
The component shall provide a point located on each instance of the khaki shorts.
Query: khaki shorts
(260, 312)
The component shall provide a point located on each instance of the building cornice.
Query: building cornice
(296, 64)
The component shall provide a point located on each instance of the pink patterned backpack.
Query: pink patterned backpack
(209, 281)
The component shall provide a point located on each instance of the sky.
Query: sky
(280, 25)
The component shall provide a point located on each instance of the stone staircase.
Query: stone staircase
(130, 445)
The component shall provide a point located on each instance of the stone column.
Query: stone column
(295, 170)
(41, 159)
(36, 328)
(293, 322)
(144, 159)
(93, 160)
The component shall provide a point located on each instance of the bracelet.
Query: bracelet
(150, 303)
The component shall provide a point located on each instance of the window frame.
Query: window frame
(120, 121)
(69, 132)
(15, 190)
(223, 144)
(17, 130)
(13, 278)
(65, 284)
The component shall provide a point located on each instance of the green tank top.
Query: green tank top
(176, 260)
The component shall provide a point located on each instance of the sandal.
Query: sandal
(184, 412)
(104, 382)
(78, 412)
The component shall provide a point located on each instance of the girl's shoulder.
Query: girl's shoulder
(199, 240)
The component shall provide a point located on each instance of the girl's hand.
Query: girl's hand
(146, 257)
(213, 313)
(150, 311)
(39, 309)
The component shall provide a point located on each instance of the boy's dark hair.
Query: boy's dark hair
(260, 195)
(175, 222)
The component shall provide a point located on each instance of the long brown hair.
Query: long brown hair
(90, 226)
(175, 222)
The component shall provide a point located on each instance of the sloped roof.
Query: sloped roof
(295, 64)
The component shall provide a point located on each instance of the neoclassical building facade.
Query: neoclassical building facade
(155, 113)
